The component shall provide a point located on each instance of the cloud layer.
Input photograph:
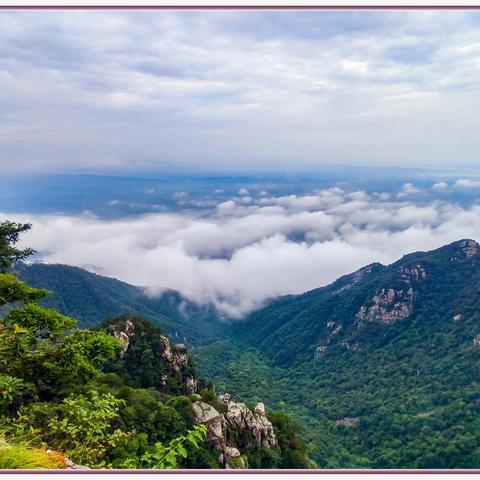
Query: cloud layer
(242, 254)
(109, 91)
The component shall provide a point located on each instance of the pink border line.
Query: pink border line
(246, 472)
(239, 7)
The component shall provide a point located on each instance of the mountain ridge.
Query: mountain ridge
(353, 307)
(91, 298)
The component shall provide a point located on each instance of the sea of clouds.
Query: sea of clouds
(252, 248)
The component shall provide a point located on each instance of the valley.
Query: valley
(380, 368)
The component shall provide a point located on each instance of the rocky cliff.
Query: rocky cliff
(234, 428)
(171, 367)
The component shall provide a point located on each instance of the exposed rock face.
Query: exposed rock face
(123, 334)
(412, 272)
(320, 351)
(348, 422)
(469, 247)
(174, 356)
(353, 346)
(390, 305)
(177, 358)
(223, 429)
(233, 459)
(191, 385)
(214, 421)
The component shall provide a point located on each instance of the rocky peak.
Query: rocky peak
(469, 247)
(174, 356)
(225, 429)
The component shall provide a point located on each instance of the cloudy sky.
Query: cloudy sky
(230, 91)
(155, 90)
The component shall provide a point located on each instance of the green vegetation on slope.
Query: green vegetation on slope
(403, 394)
(100, 397)
(92, 298)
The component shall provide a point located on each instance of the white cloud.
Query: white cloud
(408, 189)
(440, 187)
(241, 255)
(466, 184)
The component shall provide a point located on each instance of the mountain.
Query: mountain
(238, 436)
(91, 298)
(382, 366)
(370, 307)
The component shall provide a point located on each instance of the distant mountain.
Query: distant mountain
(91, 298)
(369, 308)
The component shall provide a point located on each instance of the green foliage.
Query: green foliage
(292, 446)
(84, 427)
(183, 405)
(170, 456)
(13, 290)
(9, 237)
(209, 396)
(413, 385)
(83, 352)
(142, 365)
(79, 392)
(39, 346)
(92, 298)
(10, 388)
(144, 412)
(41, 322)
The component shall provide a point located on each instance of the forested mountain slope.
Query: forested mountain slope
(382, 366)
(369, 308)
(91, 298)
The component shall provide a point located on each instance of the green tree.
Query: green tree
(9, 236)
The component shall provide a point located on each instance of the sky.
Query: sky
(118, 91)
(140, 94)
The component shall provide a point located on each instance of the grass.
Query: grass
(20, 455)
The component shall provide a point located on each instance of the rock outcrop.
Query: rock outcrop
(395, 303)
(236, 428)
(349, 422)
(388, 306)
(123, 334)
(174, 356)
(469, 248)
